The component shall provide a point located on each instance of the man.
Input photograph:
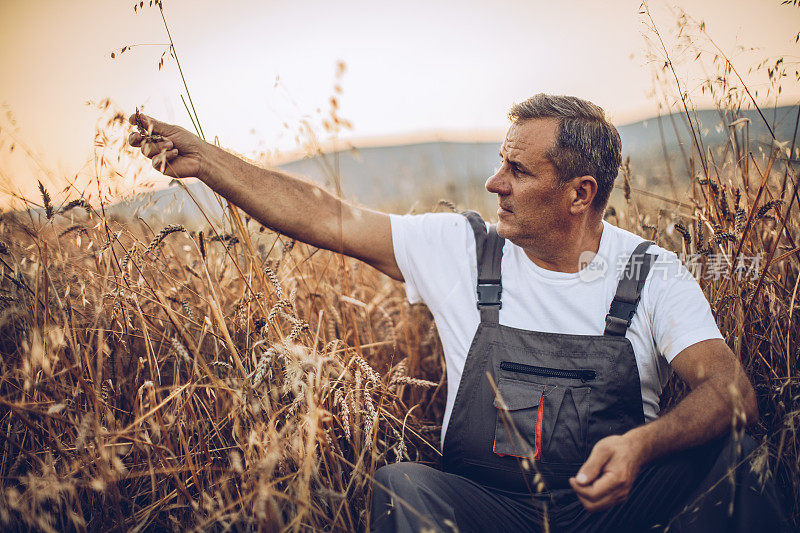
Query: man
(549, 389)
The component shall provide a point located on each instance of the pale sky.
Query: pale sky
(423, 68)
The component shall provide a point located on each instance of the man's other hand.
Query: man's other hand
(606, 478)
(175, 151)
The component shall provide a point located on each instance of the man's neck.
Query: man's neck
(563, 252)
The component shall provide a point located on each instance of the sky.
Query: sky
(414, 69)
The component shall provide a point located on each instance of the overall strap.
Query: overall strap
(629, 289)
(489, 251)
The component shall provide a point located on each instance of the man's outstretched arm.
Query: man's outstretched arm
(720, 391)
(291, 206)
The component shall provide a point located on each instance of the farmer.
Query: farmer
(559, 332)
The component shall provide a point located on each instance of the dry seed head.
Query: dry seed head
(448, 204)
(401, 368)
(724, 236)
(723, 204)
(687, 237)
(223, 364)
(81, 230)
(273, 278)
(372, 376)
(186, 309)
(767, 207)
(263, 363)
(400, 448)
(225, 238)
(626, 175)
(107, 389)
(372, 415)
(123, 264)
(80, 202)
(297, 329)
(146, 396)
(276, 309)
(406, 380)
(739, 220)
(165, 231)
(339, 400)
(180, 350)
(48, 206)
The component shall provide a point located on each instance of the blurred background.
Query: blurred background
(413, 96)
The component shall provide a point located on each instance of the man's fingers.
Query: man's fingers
(141, 120)
(594, 465)
(134, 139)
(605, 485)
(150, 149)
(166, 155)
(604, 493)
(604, 503)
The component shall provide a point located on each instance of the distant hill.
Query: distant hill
(401, 174)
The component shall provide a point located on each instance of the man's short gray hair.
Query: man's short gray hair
(586, 143)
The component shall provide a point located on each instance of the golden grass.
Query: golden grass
(158, 381)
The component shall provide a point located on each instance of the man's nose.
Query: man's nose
(497, 184)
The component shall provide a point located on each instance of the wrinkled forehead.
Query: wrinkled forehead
(530, 139)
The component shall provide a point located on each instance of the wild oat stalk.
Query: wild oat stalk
(48, 206)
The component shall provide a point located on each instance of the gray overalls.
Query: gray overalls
(548, 397)
(529, 408)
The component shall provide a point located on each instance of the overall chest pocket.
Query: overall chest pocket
(545, 422)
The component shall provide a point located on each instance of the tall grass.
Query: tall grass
(186, 380)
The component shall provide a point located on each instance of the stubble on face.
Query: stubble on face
(532, 181)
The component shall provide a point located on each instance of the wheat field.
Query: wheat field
(231, 378)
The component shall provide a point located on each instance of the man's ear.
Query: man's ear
(584, 189)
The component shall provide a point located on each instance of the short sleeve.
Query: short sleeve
(681, 314)
(432, 251)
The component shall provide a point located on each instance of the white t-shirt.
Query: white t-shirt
(436, 254)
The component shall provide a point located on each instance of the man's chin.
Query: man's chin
(502, 229)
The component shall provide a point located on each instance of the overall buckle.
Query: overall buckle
(489, 293)
(616, 325)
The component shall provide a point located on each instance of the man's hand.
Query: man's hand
(175, 151)
(606, 478)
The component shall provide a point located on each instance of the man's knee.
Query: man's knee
(402, 478)
(409, 497)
